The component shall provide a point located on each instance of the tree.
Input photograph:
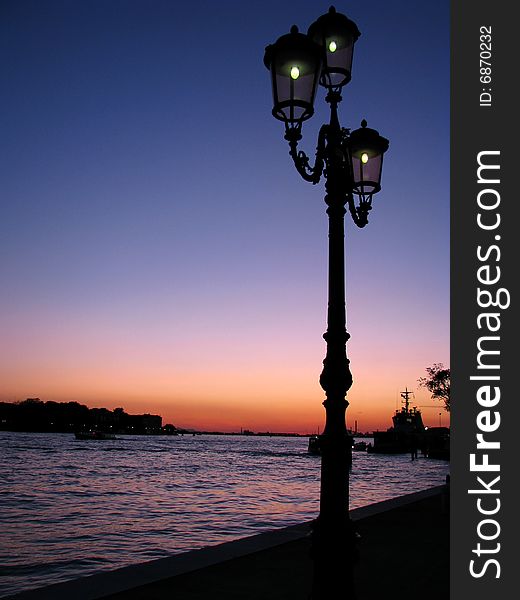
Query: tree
(438, 383)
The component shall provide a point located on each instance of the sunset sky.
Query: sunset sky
(158, 250)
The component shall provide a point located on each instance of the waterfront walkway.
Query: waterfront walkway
(404, 554)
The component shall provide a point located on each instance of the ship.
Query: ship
(406, 434)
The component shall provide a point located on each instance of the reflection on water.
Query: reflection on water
(72, 508)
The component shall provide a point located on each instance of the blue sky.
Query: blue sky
(151, 213)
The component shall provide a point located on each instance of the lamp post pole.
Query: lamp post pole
(351, 164)
(333, 562)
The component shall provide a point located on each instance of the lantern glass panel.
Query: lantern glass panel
(294, 86)
(366, 168)
(338, 60)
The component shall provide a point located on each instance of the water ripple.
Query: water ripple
(71, 508)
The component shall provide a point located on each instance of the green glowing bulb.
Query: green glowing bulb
(333, 46)
(295, 72)
(364, 158)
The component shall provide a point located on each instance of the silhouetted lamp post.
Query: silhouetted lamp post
(351, 163)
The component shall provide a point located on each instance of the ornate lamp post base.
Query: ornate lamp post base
(334, 558)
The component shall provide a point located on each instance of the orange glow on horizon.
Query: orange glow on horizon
(260, 382)
(291, 409)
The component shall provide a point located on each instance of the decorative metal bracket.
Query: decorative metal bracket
(360, 213)
(301, 160)
(338, 138)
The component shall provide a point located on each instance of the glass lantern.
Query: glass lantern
(295, 63)
(336, 34)
(366, 152)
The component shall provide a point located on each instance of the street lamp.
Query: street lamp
(351, 164)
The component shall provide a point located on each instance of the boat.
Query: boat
(359, 446)
(406, 434)
(94, 435)
(314, 446)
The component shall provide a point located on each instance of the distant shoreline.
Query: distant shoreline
(187, 432)
(37, 416)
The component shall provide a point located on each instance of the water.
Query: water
(70, 508)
